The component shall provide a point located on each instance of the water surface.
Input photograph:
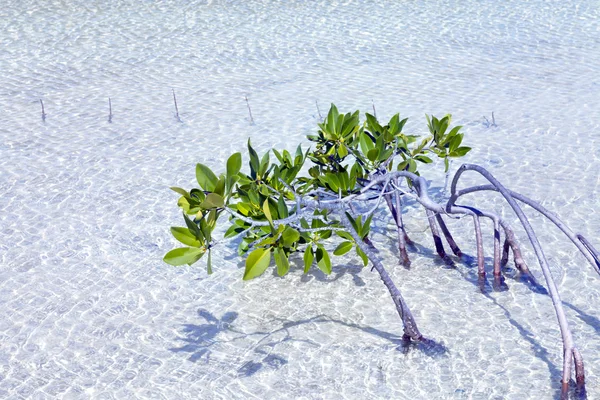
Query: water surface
(89, 310)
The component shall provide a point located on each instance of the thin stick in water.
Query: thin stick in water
(109, 111)
(249, 110)
(374, 110)
(43, 111)
(176, 108)
(318, 110)
(493, 120)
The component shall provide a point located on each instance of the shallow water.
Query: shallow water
(89, 310)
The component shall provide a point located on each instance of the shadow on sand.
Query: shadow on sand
(199, 339)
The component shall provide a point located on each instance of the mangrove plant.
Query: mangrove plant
(276, 211)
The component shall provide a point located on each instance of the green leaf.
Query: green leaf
(394, 124)
(209, 270)
(233, 230)
(461, 151)
(256, 263)
(366, 143)
(205, 177)
(282, 209)
(343, 248)
(362, 255)
(281, 260)
(183, 255)
(184, 204)
(181, 191)
(213, 200)
(308, 258)
(424, 159)
(234, 164)
(454, 131)
(267, 211)
(344, 235)
(323, 261)
(342, 150)
(193, 227)
(185, 236)
(332, 118)
(412, 165)
(373, 154)
(264, 165)
(244, 208)
(220, 186)
(289, 236)
(254, 163)
(366, 227)
(455, 142)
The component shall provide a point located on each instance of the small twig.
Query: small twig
(487, 122)
(447, 180)
(249, 110)
(109, 111)
(43, 111)
(374, 111)
(176, 108)
(318, 110)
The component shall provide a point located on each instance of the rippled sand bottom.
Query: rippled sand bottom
(89, 310)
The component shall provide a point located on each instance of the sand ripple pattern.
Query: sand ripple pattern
(88, 309)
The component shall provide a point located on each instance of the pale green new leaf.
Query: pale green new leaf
(185, 236)
(281, 260)
(343, 248)
(183, 255)
(256, 263)
(205, 177)
(213, 200)
(234, 164)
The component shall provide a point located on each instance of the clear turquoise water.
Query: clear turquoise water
(88, 309)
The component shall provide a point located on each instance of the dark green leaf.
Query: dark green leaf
(282, 209)
(254, 163)
(424, 159)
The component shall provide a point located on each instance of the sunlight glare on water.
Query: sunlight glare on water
(88, 308)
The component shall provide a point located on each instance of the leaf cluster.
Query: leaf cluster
(263, 203)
